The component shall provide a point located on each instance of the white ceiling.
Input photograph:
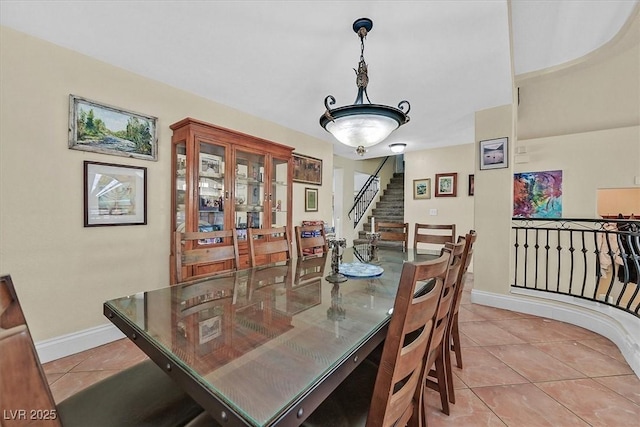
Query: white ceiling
(279, 59)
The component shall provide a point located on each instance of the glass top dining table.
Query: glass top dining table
(266, 345)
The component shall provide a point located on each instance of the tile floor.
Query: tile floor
(519, 371)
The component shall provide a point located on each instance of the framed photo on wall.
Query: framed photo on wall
(310, 199)
(471, 185)
(446, 184)
(114, 194)
(494, 153)
(422, 188)
(307, 170)
(105, 129)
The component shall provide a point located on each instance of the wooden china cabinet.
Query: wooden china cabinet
(223, 179)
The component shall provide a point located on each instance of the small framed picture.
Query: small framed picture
(422, 188)
(471, 184)
(310, 199)
(307, 169)
(494, 153)
(209, 165)
(114, 194)
(446, 184)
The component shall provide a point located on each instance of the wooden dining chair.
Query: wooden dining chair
(390, 394)
(393, 232)
(268, 245)
(452, 339)
(434, 234)
(203, 254)
(435, 372)
(142, 395)
(311, 240)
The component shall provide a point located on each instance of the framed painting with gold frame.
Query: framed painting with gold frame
(422, 188)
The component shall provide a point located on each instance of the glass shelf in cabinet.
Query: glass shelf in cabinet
(214, 192)
(249, 181)
(249, 208)
(212, 176)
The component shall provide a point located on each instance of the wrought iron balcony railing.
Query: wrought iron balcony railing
(597, 260)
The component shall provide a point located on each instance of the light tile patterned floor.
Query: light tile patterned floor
(519, 371)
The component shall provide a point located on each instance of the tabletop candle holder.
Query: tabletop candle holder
(336, 257)
(373, 245)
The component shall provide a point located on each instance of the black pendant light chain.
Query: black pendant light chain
(362, 78)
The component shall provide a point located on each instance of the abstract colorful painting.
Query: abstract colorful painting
(537, 194)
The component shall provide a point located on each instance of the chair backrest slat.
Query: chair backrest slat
(436, 234)
(309, 238)
(393, 231)
(203, 254)
(269, 241)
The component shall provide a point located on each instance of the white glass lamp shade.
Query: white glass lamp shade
(362, 125)
(397, 148)
(362, 129)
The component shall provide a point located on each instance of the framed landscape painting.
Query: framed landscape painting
(111, 130)
(494, 153)
(307, 169)
(446, 184)
(422, 188)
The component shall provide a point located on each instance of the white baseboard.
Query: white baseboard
(66, 345)
(620, 327)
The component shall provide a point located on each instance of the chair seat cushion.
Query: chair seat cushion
(142, 395)
(348, 405)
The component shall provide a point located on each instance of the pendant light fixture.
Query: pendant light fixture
(362, 125)
(398, 147)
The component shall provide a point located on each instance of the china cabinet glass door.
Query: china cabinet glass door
(279, 192)
(249, 196)
(211, 187)
(181, 185)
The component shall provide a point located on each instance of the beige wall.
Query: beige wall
(613, 201)
(598, 91)
(493, 206)
(450, 210)
(589, 161)
(63, 272)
